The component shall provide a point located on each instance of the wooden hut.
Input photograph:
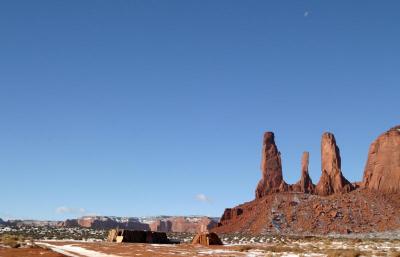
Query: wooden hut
(137, 236)
(207, 239)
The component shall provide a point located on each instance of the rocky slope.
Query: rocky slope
(334, 205)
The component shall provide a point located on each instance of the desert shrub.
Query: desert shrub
(245, 248)
(344, 253)
(395, 254)
(11, 240)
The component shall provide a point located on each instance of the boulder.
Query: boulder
(332, 180)
(382, 170)
(271, 168)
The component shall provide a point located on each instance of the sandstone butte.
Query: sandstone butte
(333, 205)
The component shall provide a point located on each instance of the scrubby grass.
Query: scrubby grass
(245, 248)
(344, 253)
(395, 254)
(12, 241)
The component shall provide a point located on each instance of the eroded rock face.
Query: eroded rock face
(103, 222)
(183, 224)
(332, 180)
(271, 167)
(305, 184)
(161, 226)
(382, 170)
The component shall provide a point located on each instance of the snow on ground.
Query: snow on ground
(71, 250)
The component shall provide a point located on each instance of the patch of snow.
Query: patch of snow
(69, 250)
(163, 245)
(216, 251)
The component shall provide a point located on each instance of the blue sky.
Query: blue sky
(158, 107)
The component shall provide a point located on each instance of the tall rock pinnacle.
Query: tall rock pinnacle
(332, 180)
(271, 167)
(382, 170)
(305, 184)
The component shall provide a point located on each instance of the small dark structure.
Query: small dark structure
(207, 239)
(137, 236)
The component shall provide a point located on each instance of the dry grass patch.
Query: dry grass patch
(395, 254)
(11, 240)
(345, 253)
(245, 248)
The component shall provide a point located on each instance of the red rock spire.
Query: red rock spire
(271, 168)
(332, 180)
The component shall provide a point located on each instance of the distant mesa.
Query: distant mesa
(105, 222)
(187, 224)
(334, 205)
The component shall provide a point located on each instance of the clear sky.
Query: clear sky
(158, 107)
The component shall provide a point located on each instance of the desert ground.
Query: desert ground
(276, 246)
(28, 252)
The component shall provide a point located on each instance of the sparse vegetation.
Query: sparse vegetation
(395, 254)
(12, 241)
(245, 248)
(344, 253)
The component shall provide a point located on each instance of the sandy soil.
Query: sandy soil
(104, 249)
(318, 248)
(27, 252)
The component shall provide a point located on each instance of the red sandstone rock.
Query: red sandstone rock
(271, 167)
(305, 184)
(104, 222)
(382, 170)
(359, 211)
(332, 180)
(161, 225)
(349, 208)
(183, 224)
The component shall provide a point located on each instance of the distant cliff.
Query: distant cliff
(191, 224)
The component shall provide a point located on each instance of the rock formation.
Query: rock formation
(105, 222)
(271, 167)
(183, 224)
(360, 207)
(359, 211)
(305, 184)
(161, 225)
(382, 170)
(332, 180)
